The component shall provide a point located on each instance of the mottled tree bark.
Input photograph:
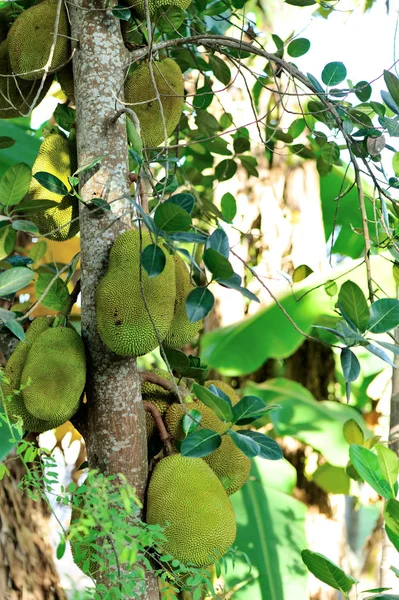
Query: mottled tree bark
(27, 569)
(115, 436)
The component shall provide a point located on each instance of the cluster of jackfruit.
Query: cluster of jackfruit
(49, 369)
(136, 312)
(157, 6)
(158, 107)
(228, 462)
(57, 156)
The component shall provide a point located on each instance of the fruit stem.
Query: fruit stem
(156, 415)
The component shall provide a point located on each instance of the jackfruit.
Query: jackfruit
(226, 388)
(56, 156)
(65, 79)
(228, 462)
(157, 5)
(17, 95)
(187, 499)
(151, 392)
(56, 368)
(15, 405)
(123, 320)
(30, 40)
(181, 331)
(140, 96)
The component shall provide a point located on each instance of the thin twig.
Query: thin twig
(163, 432)
(169, 386)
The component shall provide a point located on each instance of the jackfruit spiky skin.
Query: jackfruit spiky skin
(17, 95)
(176, 486)
(30, 40)
(181, 331)
(157, 5)
(139, 89)
(13, 372)
(226, 388)
(228, 462)
(57, 157)
(123, 322)
(65, 79)
(151, 392)
(56, 368)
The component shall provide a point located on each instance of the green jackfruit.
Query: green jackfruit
(158, 5)
(17, 95)
(57, 157)
(140, 96)
(31, 37)
(226, 388)
(187, 499)
(65, 79)
(123, 321)
(228, 462)
(56, 368)
(151, 392)
(181, 331)
(15, 404)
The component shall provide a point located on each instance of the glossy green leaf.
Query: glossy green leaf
(51, 182)
(248, 446)
(121, 12)
(8, 237)
(15, 279)
(185, 200)
(219, 241)
(27, 226)
(5, 436)
(391, 515)
(353, 433)
(226, 169)
(350, 365)
(220, 406)
(56, 297)
(241, 144)
(153, 260)
(327, 571)
(14, 184)
(392, 83)
(203, 97)
(389, 464)
(301, 272)
(353, 305)
(301, 416)
(395, 163)
(298, 47)
(169, 217)
(177, 359)
(367, 465)
(16, 328)
(363, 91)
(199, 303)
(248, 409)
(228, 206)
(384, 315)
(217, 264)
(220, 69)
(191, 421)
(200, 443)
(333, 73)
(332, 479)
(269, 448)
(29, 207)
(380, 353)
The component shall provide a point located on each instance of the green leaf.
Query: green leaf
(153, 260)
(350, 365)
(221, 406)
(363, 91)
(16, 328)
(327, 571)
(217, 264)
(331, 288)
(27, 226)
(219, 241)
(191, 424)
(353, 305)
(169, 217)
(384, 315)
(331, 479)
(392, 126)
(248, 409)
(298, 47)
(203, 97)
(301, 272)
(391, 515)
(15, 279)
(247, 445)
(225, 170)
(296, 128)
(185, 200)
(6, 315)
(380, 353)
(177, 359)
(200, 443)
(8, 237)
(89, 165)
(269, 448)
(367, 465)
(353, 433)
(15, 184)
(6, 142)
(395, 163)
(29, 207)
(61, 549)
(389, 464)
(199, 303)
(5, 444)
(333, 73)
(241, 144)
(65, 116)
(220, 69)
(121, 12)
(51, 182)
(228, 206)
(392, 83)
(57, 296)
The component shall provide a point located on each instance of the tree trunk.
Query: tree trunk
(116, 435)
(27, 569)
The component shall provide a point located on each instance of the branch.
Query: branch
(170, 386)
(72, 298)
(164, 435)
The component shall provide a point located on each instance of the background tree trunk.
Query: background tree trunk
(27, 569)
